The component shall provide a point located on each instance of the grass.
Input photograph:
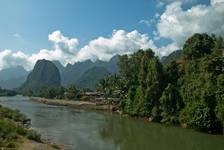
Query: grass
(12, 128)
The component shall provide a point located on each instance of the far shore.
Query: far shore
(75, 104)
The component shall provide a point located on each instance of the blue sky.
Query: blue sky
(26, 24)
(83, 19)
(33, 20)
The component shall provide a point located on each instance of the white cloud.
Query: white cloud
(178, 24)
(120, 42)
(63, 43)
(9, 58)
(166, 50)
(65, 49)
(214, 2)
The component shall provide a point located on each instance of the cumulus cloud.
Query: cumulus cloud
(65, 49)
(120, 42)
(63, 43)
(9, 58)
(178, 24)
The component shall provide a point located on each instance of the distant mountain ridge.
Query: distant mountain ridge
(71, 74)
(12, 72)
(78, 74)
(91, 77)
(174, 56)
(13, 77)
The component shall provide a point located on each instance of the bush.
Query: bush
(33, 135)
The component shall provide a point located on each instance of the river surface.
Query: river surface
(89, 130)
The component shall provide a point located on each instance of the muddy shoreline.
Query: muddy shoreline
(75, 104)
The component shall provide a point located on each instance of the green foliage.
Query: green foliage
(4, 92)
(128, 104)
(170, 103)
(198, 45)
(143, 74)
(197, 115)
(172, 72)
(112, 86)
(33, 135)
(72, 93)
(220, 99)
(14, 115)
(52, 92)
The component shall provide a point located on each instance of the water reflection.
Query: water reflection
(130, 134)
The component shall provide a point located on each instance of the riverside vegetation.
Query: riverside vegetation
(187, 91)
(4, 92)
(13, 129)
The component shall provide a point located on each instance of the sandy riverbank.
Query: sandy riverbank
(75, 104)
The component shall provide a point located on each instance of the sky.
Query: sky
(77, 30)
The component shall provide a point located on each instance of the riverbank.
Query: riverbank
(76, 104)
(16, 134)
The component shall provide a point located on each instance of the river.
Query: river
(89, 130)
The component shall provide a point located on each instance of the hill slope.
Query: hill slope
(176, 55)
(45, 73)
(91, 77)
(72, 73)
(13, 77)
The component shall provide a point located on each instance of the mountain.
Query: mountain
(176, 55)
(13, 77)
(110, 65)
(13, 72)
(72, 73)
(91, 77)
(60, 67)
(12, 83)
(45, 73)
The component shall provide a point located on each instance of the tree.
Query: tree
(170, 103)
(220, 99)
(155, 82)
(198, 45)
(172, 72)
(72, 92)
(143, 74)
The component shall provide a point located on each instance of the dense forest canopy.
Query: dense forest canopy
(189, 91)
